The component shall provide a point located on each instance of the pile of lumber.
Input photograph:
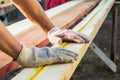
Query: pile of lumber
(63, 16)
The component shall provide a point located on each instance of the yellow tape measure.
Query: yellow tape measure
(35, 73)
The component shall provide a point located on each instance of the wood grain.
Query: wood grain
(64, 71)
(34, 37)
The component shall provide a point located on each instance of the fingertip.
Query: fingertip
(72, 61)
(76, 57)
(81, 41)
(85, 37)
(58, 41)
(87, 40)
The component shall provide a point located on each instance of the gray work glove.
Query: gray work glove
(34, 57)
(56, 36)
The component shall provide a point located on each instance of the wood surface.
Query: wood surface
(62, 19)
(103, 57)
(64, 71)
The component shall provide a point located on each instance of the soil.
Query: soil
(91, 66)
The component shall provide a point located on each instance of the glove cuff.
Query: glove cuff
(24, 56)
(18, 53)
(54, 29)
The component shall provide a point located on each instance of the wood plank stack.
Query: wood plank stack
(24, 34)
(63, 17)
(64, 71)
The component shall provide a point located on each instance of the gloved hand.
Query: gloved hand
(33, 57)
(56, 36)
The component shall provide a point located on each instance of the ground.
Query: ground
(91, 66)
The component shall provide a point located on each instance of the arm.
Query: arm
(32, 10)
(8, 43)
(32, 57)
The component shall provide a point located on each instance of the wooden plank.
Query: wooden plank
(63, 7)
(86, 19)
(25, 73)
(28, 29)
(8, 68)
(17, 28)
(3, 60)
(114, 44)
(103, 57)
(64, 20)
(64, 71)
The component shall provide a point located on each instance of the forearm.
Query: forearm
(8, 43)
(33, 11)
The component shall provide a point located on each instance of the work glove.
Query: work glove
(34, 57)
(56, 36)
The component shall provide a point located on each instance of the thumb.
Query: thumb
(56, 41)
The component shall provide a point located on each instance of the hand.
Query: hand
(34, 57)
(56, 36)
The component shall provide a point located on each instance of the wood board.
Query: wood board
(25, 38)
(64, 71)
